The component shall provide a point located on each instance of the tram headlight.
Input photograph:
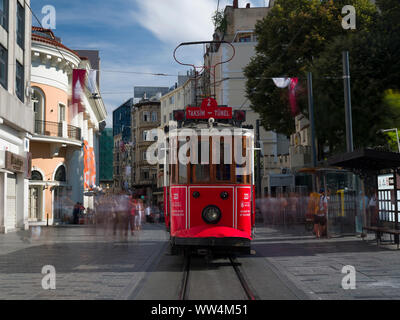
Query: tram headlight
(224, 195)
(211, 214)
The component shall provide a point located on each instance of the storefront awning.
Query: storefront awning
(366, 160)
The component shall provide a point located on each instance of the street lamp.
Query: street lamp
(397, 135)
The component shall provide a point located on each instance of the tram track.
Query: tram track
(188, 276)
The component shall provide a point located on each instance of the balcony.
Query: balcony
(57, 134)
(57, 130)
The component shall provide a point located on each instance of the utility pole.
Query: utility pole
(258, 185)
(311, 116)
(347, 99)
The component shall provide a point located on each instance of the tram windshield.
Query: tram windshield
(212, 161)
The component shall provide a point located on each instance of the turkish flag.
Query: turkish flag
(292, 95)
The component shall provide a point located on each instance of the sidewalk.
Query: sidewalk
(89, 265)
(315, 266)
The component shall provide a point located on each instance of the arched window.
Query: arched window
(38, 107)
(36, 176)
(60, 174)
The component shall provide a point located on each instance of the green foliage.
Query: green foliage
(219, 20)
(307, 35)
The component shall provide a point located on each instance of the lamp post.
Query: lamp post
(397, 136)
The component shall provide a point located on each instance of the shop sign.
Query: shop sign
(14, 162)
(386, 182)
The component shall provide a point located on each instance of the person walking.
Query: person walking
(148, 214)
(321, 215)
(139, 215)
(115, 213)
(130, 212)
(372, 220)
(75, 213)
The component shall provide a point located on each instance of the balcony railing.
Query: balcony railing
(74, 132)
(55, 129)
(47, 128)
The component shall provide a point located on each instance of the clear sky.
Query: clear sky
(134, 36)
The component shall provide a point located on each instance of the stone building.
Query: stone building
(145, 120)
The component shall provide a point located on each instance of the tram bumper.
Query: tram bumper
(223, 239)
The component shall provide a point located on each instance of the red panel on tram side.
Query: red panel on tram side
(211, 195)
(253, 212)
(178, 209)
(243, 209)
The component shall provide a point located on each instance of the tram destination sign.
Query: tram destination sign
(216, 113)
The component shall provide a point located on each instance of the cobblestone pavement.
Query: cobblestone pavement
(92, 265)
(89, 264)
(315, 266)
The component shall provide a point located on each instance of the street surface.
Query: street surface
(287, 264)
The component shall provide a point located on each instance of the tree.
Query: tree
(294, 35)
(375, 69)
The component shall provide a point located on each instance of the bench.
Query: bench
(380, 230)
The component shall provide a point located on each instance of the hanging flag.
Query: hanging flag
(281, 82)
(78, 87)
(292, 95)
(92, 79)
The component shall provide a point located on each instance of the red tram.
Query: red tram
(210, 198)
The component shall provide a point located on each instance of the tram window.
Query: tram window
(173, 171)
(223, 171)
(245, 168)
(183, 177)
(202, 171)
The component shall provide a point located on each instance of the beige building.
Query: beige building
(145, 120)
(230, 84)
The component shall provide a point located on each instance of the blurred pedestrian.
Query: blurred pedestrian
(292, 208)
(148, 214)
(139, 214)
(283, 203)
(312, 211)
(75, 213)
(322, 214)
(131, 216)
(372, 220)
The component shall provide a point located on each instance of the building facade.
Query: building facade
(122, 121)
(60, 133)
(231, 83)
(145, 119)
(16, 113)
(106, 158)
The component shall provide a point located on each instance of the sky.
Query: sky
(134, 36)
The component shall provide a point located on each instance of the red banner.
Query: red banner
(78, 88)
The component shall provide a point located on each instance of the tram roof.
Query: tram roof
(366, 160)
